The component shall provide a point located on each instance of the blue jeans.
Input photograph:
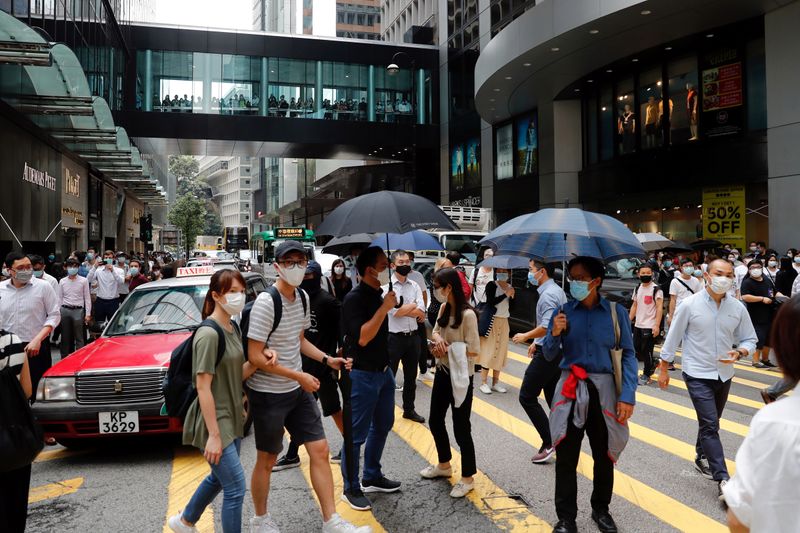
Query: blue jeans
(709, 397)
(372, 401)
(227, 476)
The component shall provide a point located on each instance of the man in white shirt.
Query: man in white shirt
(682, 287)
(403, 323)
(645, 314)
(39, 273)
(76, 308)
(108, 278)
(29, 309)
(422, 330)
(716, 331)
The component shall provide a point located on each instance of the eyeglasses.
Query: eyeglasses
(294, 264)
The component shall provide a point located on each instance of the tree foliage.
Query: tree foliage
(184, 167)
(188, 214)
(213, 223)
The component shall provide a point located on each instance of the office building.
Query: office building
(231, 181)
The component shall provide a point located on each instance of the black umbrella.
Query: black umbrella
(341, 245)
(705, 244)
(679, 246)
(378, 212)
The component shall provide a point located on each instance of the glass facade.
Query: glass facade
(187, 82)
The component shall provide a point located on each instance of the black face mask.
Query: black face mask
(311, 286)
(645, 279)
(403, 270)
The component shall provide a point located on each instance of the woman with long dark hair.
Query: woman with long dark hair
(456, 323)
(339, 281)
(763, 495)
(785, 277)
(214, 422)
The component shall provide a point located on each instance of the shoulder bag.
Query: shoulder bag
(616, 351)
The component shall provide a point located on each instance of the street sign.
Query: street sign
(723, 215)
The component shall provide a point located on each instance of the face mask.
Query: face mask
(134, 271)
(72, 271)
(754, 248)
(797, 259)
(339, 270)
(383, 276)
(756, 273)
(721, 284)
(440, 296)
(234, 303)
(38, 273)
(532, 279)
(89, 256)
(109, 261)
(23, 276)
(51, 257)
(667, 263)
(698, 273)
(772, 264)
(579, 290)
(311, 286)
(292, 276)
(403, 270)
(502, 276)
(645, 279)
(688, 270)
(731, 259)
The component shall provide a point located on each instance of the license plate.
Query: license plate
(119, 422)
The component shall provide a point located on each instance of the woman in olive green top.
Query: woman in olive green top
(214, 422)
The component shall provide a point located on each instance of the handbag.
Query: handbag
(616, 351)
(485, 314)
(21, 438)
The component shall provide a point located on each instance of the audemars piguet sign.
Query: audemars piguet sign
(38, 177)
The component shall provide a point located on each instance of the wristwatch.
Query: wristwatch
(743, 352)
(325, 360)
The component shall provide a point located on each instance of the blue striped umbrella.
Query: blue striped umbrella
(505, 261)
(559, 234)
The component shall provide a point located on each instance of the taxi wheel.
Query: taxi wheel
(247, 415)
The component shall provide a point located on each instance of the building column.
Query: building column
(371, 94)
(263, 103)
(420, 96)
(207, 83)
(782, 48)
(318, 89)
(560, 153)
(148, 81)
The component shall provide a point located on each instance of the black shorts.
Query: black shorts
(328, 394)
(762, 333)
(296, 411)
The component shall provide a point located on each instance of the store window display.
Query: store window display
(684, 121)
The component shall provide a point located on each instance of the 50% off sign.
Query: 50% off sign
(723, 215)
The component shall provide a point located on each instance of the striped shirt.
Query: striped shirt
(12, 352)
(25, 311)
(285, 340)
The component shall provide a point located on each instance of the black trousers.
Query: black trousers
(568, 453)
(424, 353)
(14, 487)
(643, 342)
(441, 400)
(40, 364)
(541, 375)
(405, 348)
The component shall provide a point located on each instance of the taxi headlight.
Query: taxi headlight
(56, 389)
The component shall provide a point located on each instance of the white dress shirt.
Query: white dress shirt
(74, 292)
(25, 311)
(796, 286)
(51, 280)
(108, 281)
(411, 293)
(763, 493)
(417, 277)
(708, 333)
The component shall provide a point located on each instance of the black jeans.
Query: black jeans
(709, 397)
(39, 364)
(441, 400)
(643, 342)
(424, 353)
(405, 348)
(14, 487)
(567, 454)
(541, 375)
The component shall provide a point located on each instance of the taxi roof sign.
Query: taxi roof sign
(195, 271)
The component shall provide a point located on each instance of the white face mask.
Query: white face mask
(292, 276)
(383, 277)
(439, 294)
(339, 270)
(772, 264)
(234, 303)
(756, 273)
(721, 284)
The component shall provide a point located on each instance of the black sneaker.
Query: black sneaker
(769, 364)
(337, 459)
(285, 463)
(759, 365)
(701, 465)
(766, 396)
(356, 500)
(671, 367)
(414, 416)
(380, 485)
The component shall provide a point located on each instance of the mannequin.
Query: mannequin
(691, 110)
(661, 118)
(651, 121)
(626, 125)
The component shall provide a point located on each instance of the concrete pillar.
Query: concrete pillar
(263, 97)
(560, 152)
(318, 90)
(371, 94)
(148, 81)
(782, 48)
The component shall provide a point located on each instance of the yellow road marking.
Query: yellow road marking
(742, 381)
(189, 468)
(54, 490)
(663, 507)
(52, 455)
(359, 518)
(748, 368)
(747, 402)
(514, 518)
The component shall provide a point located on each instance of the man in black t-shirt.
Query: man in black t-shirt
(758, 293)
(324, 333)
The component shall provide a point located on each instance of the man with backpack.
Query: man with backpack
(645, 313)
(280, 394)
(682, 287)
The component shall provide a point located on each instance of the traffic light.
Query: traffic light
(146, 228)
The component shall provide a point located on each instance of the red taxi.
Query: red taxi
(112, 386)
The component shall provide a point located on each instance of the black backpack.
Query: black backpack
(179, 392)
(277, 305)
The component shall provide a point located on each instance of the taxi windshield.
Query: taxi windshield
(159, 310)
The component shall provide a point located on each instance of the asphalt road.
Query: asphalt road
(133, 485)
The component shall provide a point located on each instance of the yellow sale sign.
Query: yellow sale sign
(723, 215)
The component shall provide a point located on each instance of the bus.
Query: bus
(263, 243)
(235, 238)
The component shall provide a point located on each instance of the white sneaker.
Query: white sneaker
(337, 524)
(433, 471)
(176, 524)
(499, 388)
(263, 524)
(485, 388)
(427, 376)
(461, 489)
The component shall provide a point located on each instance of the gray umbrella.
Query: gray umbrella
(341, 245)
(653, 241)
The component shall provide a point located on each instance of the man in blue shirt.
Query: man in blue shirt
(541, 374)
(583, 333)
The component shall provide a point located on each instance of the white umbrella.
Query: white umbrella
(653, 241)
